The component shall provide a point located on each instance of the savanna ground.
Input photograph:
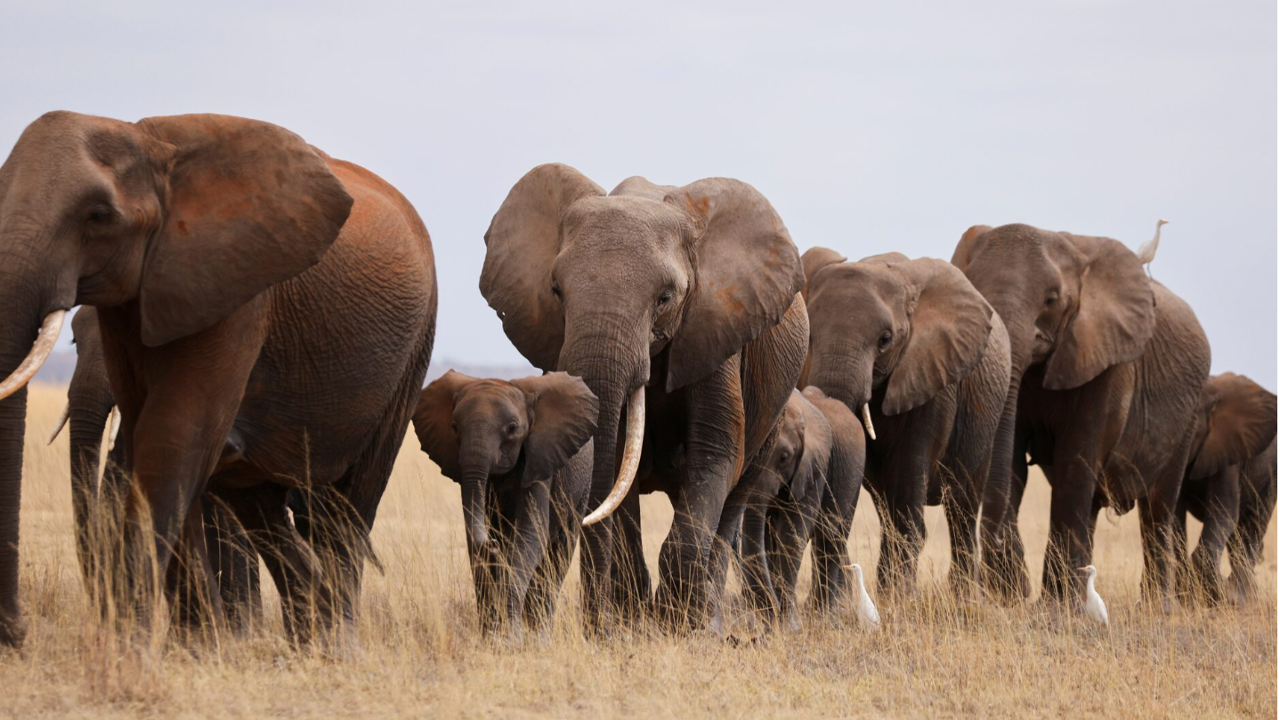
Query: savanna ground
(420, 654)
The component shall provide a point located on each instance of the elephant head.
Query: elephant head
(786, 458)
(1237, 421)
(912, 327)
(182, 219)
(1076, 304)
(608, 287)
(476, 429)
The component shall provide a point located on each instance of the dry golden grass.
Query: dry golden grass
(420, 653)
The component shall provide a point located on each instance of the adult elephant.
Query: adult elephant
(1106, 373)
(914, 347)
(1229, 484)
(267, 315)
(91, 409)
(680, 305)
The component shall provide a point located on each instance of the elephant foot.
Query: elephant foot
(13, 632)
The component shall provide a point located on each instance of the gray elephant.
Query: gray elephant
(813, 476)
(1230, 485)
(680, 306)
(509, 445)
(1107, 371)
(914, 347)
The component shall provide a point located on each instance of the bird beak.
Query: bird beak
(1081, 569)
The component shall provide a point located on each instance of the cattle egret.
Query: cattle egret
(1094, 608)
(868, 616)
(1147, 252)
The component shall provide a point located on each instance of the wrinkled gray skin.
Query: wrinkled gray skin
(89, 403)
(1230, 486)
(1106, 375)
(813, 476)
(267, 315)
(689, 293)
(916, 341)
(511, 445)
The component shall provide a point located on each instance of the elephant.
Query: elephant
(90, 409)
(914, 347)
(1107, 367)
(813, 478)
(680, 305)
(509, 445)
(1229, 485)
(267, 315)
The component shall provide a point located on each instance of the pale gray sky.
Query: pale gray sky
(871, 126)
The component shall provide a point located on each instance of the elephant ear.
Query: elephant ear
(949, 330)
(813, 260)
(562, 411)
(747, 272)
(1114, 320)
(249, 205)
(1241, 425)
(433, 421)
(969, 246)
(521, 245)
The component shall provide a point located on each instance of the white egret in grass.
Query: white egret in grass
(868, 616)
(1094, 608)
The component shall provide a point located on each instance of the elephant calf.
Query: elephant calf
(507, 443)
(1230, 483)
(810, 485)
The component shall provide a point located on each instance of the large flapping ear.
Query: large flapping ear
(949, 330)
(1114, 319)
(249, 205)
(1242, 424)
(433, 421)
(747, 274)
(813, 260)
(521, 245)
(969, 246)
(562, 412)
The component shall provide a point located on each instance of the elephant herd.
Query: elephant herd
(262, 315)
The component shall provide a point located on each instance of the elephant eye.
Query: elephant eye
(884, 340)
(555, 290)
(511, 430)
(785, 456)
(1051, 301)
(454, 426)
(99, 215)
(664, 299)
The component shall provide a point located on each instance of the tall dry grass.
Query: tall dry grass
(419, 652)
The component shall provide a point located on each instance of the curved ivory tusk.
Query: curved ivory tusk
(630, 459)
(113, 427)
(62, 422)
(866, 420)
(49, 330)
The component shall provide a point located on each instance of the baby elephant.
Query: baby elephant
(1230, 484)
(522, 452)
(813, 476)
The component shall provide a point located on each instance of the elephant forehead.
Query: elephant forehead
(870, 288)
(489, 397)
(623, 221)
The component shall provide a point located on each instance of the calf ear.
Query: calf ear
(433, 422)
(1115, 318)
(969, 246)
(562, 418)
(813, 260)
(1242, 424)
(950, 326)
(249, 205)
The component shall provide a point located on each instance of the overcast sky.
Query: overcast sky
(871, 127)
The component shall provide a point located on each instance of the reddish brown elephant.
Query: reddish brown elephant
(267, 315)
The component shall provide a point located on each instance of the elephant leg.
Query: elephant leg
(1181, 570)
(525, 547)
(960, 502)
(339, 537)
(789, 530)
(1070, 543)
(629, 575)
(305, 595)
(1222, 510)
(235, 565)
(1003, 555)
(831, 580)
(756, 563)
(190, 583)
(540, 601)
(728, 542)
(902, 531)
(1157, 523)
(1246, 542)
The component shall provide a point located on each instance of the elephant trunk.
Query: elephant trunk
(841, 375)
(477, 454)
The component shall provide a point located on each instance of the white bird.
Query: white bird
(1147, 251)
(868, 616)
(1094, 608)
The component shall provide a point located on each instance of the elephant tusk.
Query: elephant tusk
(62, 422)
(630, 459)
(40, 350)
(866, 420)
(113, 427)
